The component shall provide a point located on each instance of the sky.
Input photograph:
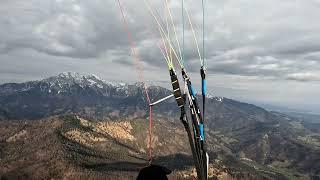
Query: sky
(265, 51)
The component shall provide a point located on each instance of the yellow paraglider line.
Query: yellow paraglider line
(174, 28)
(162, 31)
(194, 35)
(168, 32)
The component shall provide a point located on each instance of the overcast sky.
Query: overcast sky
(264, 51)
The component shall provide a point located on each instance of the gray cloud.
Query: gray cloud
(255, 41)
(79, 29)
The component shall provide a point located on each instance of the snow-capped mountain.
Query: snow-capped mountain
(72, 92)
(91, 96)
(65, 83)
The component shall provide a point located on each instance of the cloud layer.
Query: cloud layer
(255, 41)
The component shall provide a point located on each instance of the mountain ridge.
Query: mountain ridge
(241, 135)
(73, 87)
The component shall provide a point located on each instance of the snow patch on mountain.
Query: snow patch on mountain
(217, 98)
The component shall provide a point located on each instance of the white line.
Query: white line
(163, 99)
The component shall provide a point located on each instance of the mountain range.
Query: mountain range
(83, 114)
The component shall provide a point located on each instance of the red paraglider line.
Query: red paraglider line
(139, 69)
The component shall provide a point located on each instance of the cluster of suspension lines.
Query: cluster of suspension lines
(186, 98)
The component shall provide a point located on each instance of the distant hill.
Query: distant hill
(310, 121)
(306, 117)
(242, 138)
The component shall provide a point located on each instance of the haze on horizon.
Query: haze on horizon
(266, 52)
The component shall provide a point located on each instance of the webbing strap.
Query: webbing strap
(204, 90)
(150, 134)
(198, 129)
(176, 88)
